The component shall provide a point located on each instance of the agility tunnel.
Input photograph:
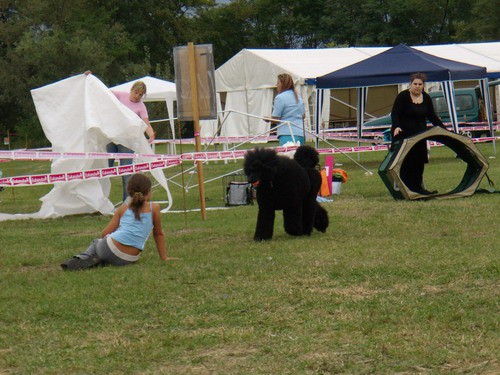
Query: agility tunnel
(477, 165)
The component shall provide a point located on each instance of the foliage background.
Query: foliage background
(43, 41)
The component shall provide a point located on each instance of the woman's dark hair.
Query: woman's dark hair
(138, 186)
(420, 76)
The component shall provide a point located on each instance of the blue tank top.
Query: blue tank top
(133, 232)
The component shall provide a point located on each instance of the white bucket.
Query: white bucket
(336, 187)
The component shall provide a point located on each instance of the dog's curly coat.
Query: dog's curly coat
(291, 185)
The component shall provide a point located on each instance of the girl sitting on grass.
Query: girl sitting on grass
(123, 239)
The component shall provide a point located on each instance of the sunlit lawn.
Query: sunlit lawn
(393, 287)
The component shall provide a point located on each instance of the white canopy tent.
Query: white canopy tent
(158, 90)
(248, 79)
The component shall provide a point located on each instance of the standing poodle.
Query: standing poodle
(286, 184)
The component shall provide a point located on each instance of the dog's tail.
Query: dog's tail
(321, 220)
(306, 156)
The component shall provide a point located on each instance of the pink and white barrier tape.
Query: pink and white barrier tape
(217, 140)
(161, 162)
(50, 178)
(370, 130)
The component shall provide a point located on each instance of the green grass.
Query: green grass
(393, 287)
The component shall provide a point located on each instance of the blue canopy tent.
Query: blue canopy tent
(394, 66)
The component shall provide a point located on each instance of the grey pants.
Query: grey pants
(101, 248)
(120, 149)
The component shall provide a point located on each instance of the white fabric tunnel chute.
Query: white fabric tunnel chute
(80, 114)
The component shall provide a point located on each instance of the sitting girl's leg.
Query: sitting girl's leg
(109, 253)
(87, 259)
(90, 252)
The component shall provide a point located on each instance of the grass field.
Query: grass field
(393, 287)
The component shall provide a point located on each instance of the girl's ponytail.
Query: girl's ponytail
(138, 186)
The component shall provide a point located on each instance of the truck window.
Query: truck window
(439, 104)
(463, 102)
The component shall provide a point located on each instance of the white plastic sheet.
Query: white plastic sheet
(80, 114)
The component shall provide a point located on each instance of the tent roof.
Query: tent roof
(481, 54)
(258, 68)
(395, 66)
(252, 69)
(157, 89)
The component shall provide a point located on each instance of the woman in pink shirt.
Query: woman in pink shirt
(133, 101)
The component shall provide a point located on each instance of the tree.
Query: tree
(482, 25)
(228, 28)
(45, 41)
(42, 41)
(154, 27)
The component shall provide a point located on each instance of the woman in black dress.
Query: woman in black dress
(410, 112)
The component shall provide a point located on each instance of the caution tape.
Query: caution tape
(218, 140)
(369, 131)
(194, 156)
(91, 174)
(50, 155)
(162, 161)
(376, 141)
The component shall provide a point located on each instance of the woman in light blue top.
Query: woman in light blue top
(288, 106)
(123, 239)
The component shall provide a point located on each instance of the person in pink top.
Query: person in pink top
(133, 101)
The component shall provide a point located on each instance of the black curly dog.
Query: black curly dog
(286, 184)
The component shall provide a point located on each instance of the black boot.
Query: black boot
(76, 263)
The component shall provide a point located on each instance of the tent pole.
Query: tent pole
(360, 114)
(485, 92)
(320, 94)
(449, 96)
